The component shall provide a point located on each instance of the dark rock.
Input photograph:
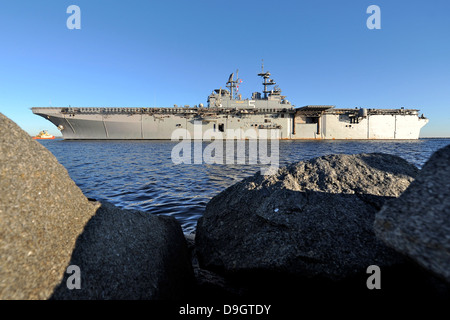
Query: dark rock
(42, 212)
(47, 224)
(210, 286)
(311, 219)
(124, 254)
(417, 224)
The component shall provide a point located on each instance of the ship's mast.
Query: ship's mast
(231, 84)
(267, 81)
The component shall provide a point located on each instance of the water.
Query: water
(141, 175)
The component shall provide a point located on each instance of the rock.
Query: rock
(210, 286)
(417, 224)
(42, 212)
(312, 219)
(125, 254)
(47, 224)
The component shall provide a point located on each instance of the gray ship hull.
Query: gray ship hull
(228, 116)
(149, 124)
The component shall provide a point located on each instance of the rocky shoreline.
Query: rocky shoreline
(308, 232)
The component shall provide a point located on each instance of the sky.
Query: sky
(161, 53)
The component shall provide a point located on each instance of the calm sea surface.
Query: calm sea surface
(141, 175)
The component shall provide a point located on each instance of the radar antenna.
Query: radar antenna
(267, 81)
(232, 84)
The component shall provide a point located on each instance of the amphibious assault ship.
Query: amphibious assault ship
(228, 116)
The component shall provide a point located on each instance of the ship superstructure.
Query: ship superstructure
(227, 112)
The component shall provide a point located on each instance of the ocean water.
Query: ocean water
(141, 174)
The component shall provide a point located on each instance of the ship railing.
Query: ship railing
(374, 111)
(113, 110)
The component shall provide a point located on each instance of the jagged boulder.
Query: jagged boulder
(42, 212)
(127, 254)
(47, 225)
(313, 218)
(417, 224)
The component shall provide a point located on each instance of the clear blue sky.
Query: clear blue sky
(160, 53)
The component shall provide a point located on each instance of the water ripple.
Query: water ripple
(140, 174)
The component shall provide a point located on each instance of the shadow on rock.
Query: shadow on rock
(303, 233)
(123, 254)
(307, 231)
(417, 223)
